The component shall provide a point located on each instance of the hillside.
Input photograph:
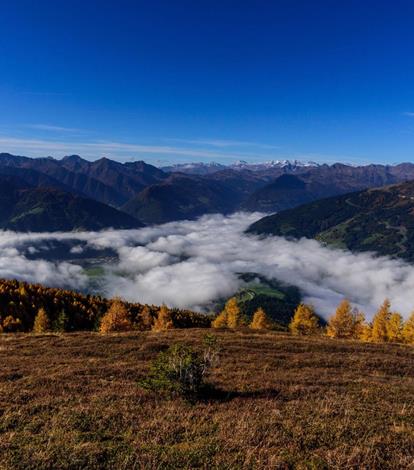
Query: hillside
(380, 220)
(73, 401)
(23, 208)
(182, 197)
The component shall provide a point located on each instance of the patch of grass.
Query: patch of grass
(72, 401)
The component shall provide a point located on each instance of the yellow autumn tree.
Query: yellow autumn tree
(233, 313)
(41, 322)
(116, 318)
(145, 318)
(395, 327)
(260, 320)
(304, 321)
(408, 330)
(220, 321)
(380, 323)
(342, 324)
(163, 321)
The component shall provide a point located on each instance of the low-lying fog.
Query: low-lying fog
(192, 263)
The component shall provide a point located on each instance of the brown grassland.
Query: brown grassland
(72, 401)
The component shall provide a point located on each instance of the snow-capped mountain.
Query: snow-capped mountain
(200, 168)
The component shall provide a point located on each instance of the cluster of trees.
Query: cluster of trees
(349, 323)
(32, 307)
(231, 317)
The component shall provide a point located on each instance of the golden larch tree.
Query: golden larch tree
(146, 320)
(395, 327)
(41, 322)
(220, 321)
(164, 320)
(342, 323)
(380, 323)
(116, 319)
(233, 313)
(408, 330)
(304, 321)
(260, 320)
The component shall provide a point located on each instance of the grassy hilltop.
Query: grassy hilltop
(72, 401)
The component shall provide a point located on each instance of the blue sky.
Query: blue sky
(208, 80)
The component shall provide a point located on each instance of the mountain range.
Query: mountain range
(380, 220)
(149, 195)
(26, 208)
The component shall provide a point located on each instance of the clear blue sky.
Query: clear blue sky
(208, 80)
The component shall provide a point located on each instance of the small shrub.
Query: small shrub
(181, 371)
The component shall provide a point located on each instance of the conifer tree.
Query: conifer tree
(408, 330)
(220, 321)
(260, 320)
(304, 321)
(380, 323)
(234, 319)
(11, 324)
(116, 318)
(146, 319)
(41, 322)
(342, 323)
(61, 322)
(164, 320)
(395, 327)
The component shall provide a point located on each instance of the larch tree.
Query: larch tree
(304, 321)
(164, 320)
(380, 323)
(395, 327)
(41, 322)
(233, 313)
(260, 320)
(116, 319)
(342, 323)
(145, 318)
(220, 321)
(408, 330)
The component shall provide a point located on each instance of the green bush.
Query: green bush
(181, 371)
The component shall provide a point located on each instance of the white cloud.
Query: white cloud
(52, 128)
(191, 263)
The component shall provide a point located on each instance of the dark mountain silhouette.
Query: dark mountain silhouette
(25, 208)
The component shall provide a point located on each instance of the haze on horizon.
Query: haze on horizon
(221, 81)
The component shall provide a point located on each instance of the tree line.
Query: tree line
(32, 307)
(26, 307)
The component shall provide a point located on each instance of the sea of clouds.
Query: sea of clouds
(192, 263)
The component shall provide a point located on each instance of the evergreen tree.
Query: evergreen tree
(380, 323)
(342, 323)
(41, 323)
(164, 320)
(260, 320)
(62, 321)
(304, 321)
(116, 318)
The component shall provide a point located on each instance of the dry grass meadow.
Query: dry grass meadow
(72, 401)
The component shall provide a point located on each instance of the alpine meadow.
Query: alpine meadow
(206, 235)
